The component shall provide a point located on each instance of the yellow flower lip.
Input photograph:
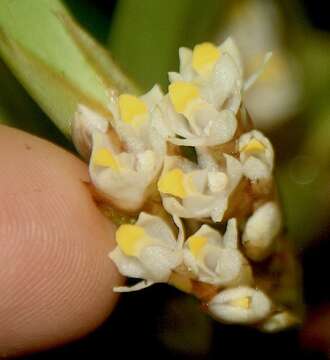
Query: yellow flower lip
(196, 243)
(172, 183)
(131, 239)
(243, 303)
(104, 158)
(204, 57)
(133, 110)
(182, 94)
(253, 146)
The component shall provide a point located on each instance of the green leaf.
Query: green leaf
(92, 17)
(145, 35)
(18, 110)
(56, 61)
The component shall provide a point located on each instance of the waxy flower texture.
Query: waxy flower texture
(189, 182)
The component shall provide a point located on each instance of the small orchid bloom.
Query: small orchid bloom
(240, 305)
(189, 191)
(216, 259)
(133, 117)
(124, 178)
(147, 250)
(260, 231)
(204, 97)
(125, 172)
(256, 155)
(217, 71)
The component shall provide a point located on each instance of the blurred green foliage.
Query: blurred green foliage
(145, 35)
(55, 60)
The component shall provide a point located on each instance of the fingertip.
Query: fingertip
(56, 278)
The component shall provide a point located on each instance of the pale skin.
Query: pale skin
(56, 279)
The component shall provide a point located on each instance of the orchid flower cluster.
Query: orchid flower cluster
(179, 205)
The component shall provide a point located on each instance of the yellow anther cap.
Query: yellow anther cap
(204, 57)
(182, 94)
(172, 183)
(131, 239)
(133, 110)
(254, 146)
(196, 244)
(243, 303)
(103, 157)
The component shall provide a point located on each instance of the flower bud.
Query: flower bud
(260, 231)
(240, 305)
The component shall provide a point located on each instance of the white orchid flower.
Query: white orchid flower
(216, 71)
(191, 191)
(124, 171)
(240, 305)
(147, 250)
(204, 97)
(132, 119)
(216, 259)
(256, 155)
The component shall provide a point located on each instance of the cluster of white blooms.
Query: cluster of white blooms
(143, 157)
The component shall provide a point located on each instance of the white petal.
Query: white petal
(223, 129)
(199, 180)
(229, 266)
(213, 236)
(159, 261)
(185, 56)
(160, 125)
(227, 80)
(127, 265)
(200, 205)
(181, 234)
(219, 208)
(157, 228)
(254, 169)
(234, 171)
(230, 238)
(127, 190)
(153, 97)
(139, 286)
(229, 46)
(84, 123)
(190, 262)
(217, 181)
(173, 206)
(174, 77)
